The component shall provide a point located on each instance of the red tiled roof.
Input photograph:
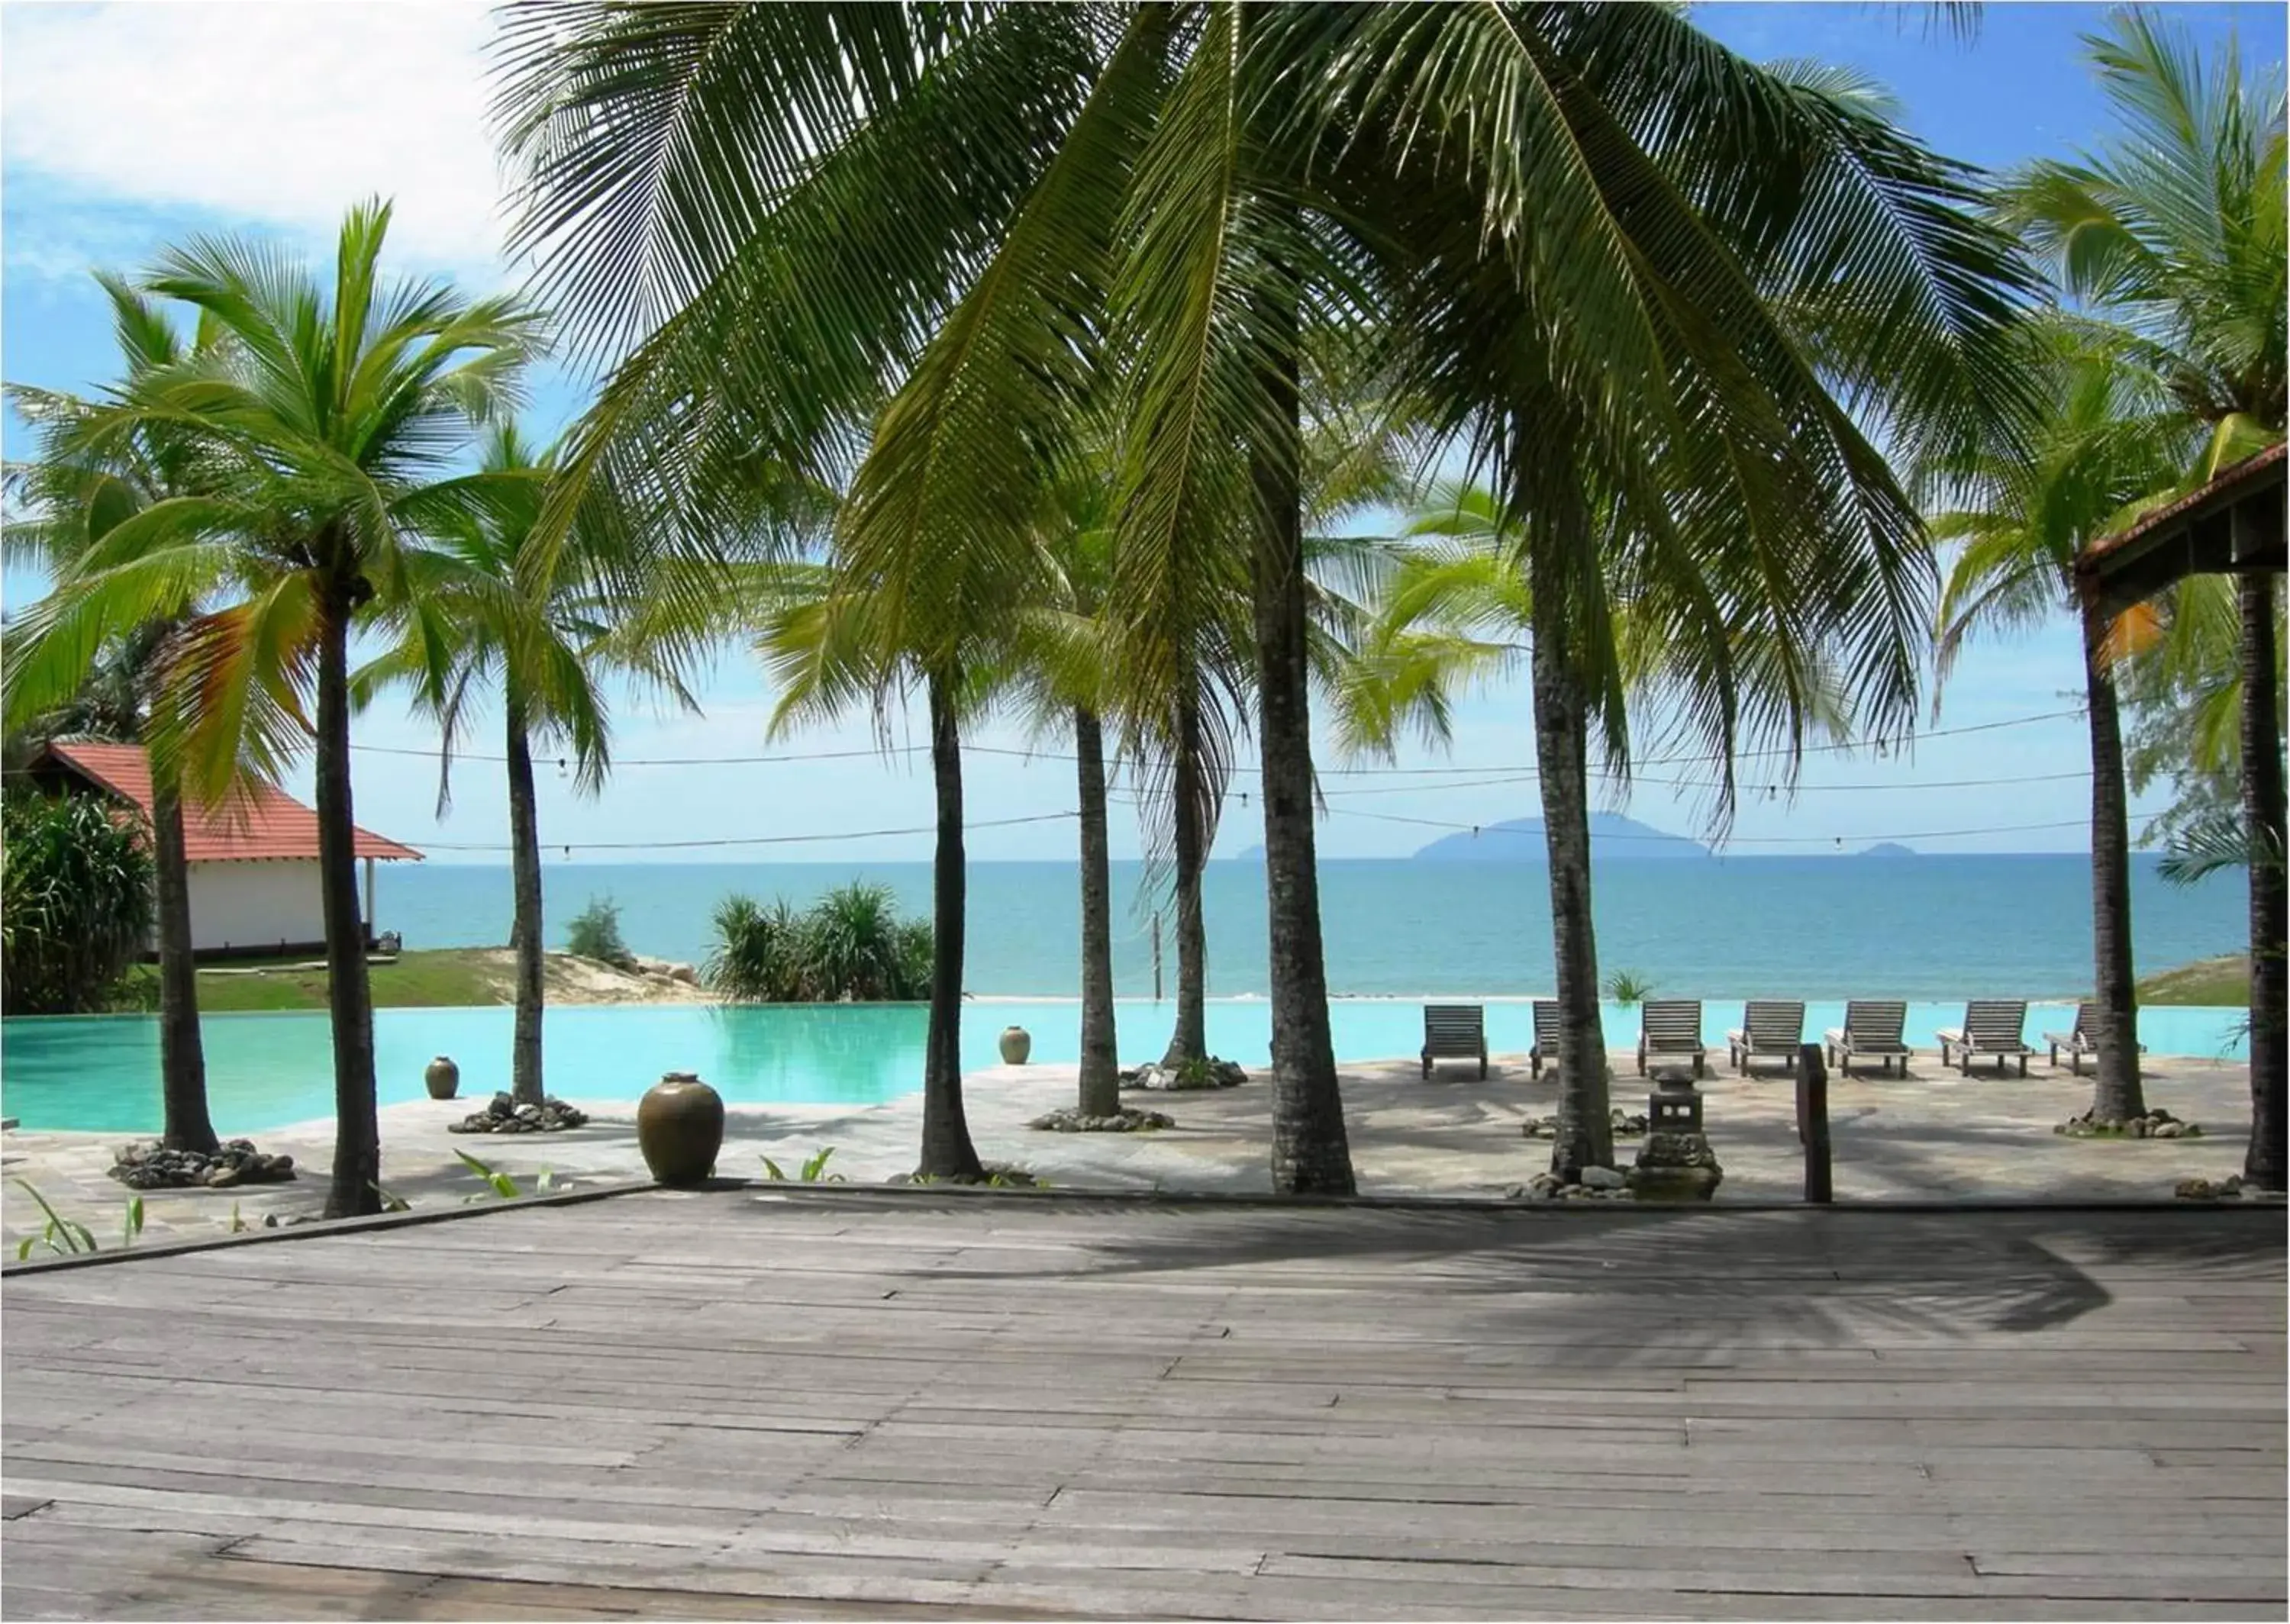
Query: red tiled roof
(261, 822)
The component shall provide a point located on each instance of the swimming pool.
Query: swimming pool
(101, 1073)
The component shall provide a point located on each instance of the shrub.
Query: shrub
(76, 903)
(1627, 987)
(917, 956)
(758, 956)
(594, 934)
(851, 944)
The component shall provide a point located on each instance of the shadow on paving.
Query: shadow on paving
(1592, 1280)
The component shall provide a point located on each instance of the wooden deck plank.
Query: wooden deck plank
(857, 1405)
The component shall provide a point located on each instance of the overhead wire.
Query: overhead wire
(1444, 778)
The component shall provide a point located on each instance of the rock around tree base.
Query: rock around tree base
(1598, 1184)
(504, 1115)
(1211, 1073)
(2157, 1124)
(151, 1166)
(1124, 1120)
(2232, 1187)
(1628, 1124)
(1675, 1167)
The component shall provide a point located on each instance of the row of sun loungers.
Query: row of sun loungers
(1773, 1029)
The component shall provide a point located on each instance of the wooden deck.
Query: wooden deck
(737, 1405)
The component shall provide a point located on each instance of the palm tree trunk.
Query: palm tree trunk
(1562, 746)
(525, 936)
(350, 1002)
(1311, 1155)
(182, 1056)
(1101, 1065)
(2116, 1091)
(1189, 1039)
(947, 1150)
(2269, 909)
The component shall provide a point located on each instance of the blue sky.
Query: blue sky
(123, 128)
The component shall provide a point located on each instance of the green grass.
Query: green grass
(444, 976)
(2221, 983)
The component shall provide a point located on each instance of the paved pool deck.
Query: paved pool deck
(1934, 1135)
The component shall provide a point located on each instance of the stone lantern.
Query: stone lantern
(1675, 1162)
(1674, 1105)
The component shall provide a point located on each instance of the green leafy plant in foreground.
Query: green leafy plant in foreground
(814, 1170)
(67, 1237)
(502, 1185)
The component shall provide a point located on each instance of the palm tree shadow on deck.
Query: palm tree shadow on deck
(1636, 1285)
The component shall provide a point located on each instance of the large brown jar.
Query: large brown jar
(680, 1128)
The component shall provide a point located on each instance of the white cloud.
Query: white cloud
(280, 114)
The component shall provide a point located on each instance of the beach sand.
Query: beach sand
(1935, 1135)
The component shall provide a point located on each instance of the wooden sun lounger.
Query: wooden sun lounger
(1670, 1028)
(1872, 1032)
(1771, 1028)
(1991, 1026)
(1545, 1051)
(2078, 1040)
(1455, 1032)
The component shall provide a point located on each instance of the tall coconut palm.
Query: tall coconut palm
(1459, 608)
(479, 614)
(2176, 228)
(73, 498)
(328, 419)
(833, 641)
(2106, 439)
(1558, 218)
(1057, 675)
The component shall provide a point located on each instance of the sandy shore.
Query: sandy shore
(1932, 1136)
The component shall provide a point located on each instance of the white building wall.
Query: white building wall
(256, 904)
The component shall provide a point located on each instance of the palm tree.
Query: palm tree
(838, 636)
(1058, 676)
(2106, 440)
(2176, 230)
(1562, 225)
(480, 611)
(74, 498)
(327, 420)
(1459, 608)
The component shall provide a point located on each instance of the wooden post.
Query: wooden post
(1157, 956)
(369, 903)
(1813, 1120)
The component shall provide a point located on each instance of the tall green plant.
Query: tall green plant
(2105, 437)
(485, 608)
(72, 494)
(330, 418)
(75, 902)
(2178, 229)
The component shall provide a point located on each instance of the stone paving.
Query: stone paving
(1935, 1135)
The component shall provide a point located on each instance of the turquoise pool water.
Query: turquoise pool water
(101, 1073)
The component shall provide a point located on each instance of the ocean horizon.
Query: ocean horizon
(1926, 927)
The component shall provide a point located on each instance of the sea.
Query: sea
(1922, 927)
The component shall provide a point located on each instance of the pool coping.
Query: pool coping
(792, 1190)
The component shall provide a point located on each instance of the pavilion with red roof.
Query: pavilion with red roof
(253, 860)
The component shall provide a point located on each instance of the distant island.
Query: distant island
(1249, 854)
(1520, 840)
(1889, 848)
